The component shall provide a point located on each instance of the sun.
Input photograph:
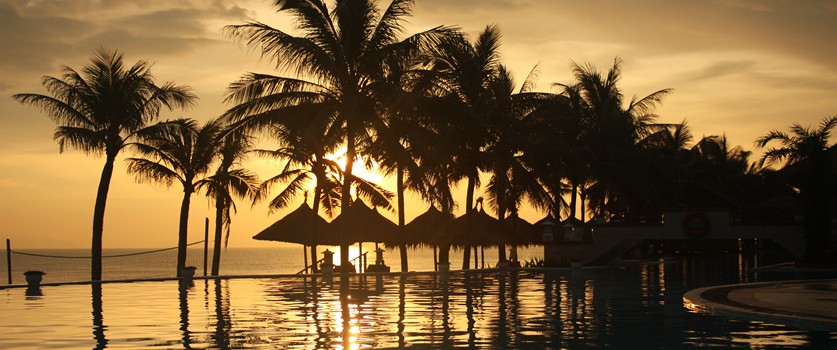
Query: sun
(359, 169)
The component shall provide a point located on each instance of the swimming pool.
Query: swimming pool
(629, 306)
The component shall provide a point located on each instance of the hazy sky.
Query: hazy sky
(740, 67)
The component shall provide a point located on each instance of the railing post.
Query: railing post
(9, 258)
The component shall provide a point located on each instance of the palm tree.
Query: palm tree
(809, 165)
(229, 180)
(306, 161)
(611, 130)
(511, 123)
(468, 69)
(344, 50)
(406, 92)
(178, 151)
(98, 111)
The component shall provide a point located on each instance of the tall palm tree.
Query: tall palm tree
(229, 180)
(344, 50)
(305, 161)
(98, 111)
(510, 123)
(468, 69)
(611, 129)
(178, 151)
(809, 163)
(406, 93)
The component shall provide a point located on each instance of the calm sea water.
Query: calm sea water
(234, 262)
(628, 306)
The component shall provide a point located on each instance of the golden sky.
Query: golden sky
(740, 67)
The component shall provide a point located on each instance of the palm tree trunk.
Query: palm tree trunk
(573, 201)
(99, 219)
(400, 193)
(184, 230)
(582, 196)
(501, 247)
(316, 207)
(219, 228)
(346, 193)
(469, 207)
(502, 185)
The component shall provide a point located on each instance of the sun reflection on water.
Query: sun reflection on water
(626, 307)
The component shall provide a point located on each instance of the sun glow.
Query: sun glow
(359, 169)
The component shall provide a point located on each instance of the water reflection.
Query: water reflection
(98, 318)
(634, 306)
(223, 324)
(183, 293)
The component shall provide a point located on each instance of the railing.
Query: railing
(363, 261)
(311, 267)
(362, 267)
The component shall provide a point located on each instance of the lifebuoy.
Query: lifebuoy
(696, 224)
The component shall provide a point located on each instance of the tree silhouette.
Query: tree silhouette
(809, 167)
(177, 151)
(99, 110)
(343, 50)
(229, 180)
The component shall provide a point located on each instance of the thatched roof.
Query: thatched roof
(421, 230)
(301, 226)
(363, 224)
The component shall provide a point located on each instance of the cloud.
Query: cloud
(40, 35)
(719, 69)
(32, 43)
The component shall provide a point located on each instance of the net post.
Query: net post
(9, 258)
(205, 244)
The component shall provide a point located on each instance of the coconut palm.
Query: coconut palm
(343, 50)
(229, 180)
(177, 151)
(510, 124)
(98, 111)
(467, 69)
(408, 94)
(809, 159)
(305, 161)
(611, 130)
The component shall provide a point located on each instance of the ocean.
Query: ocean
(73, 265)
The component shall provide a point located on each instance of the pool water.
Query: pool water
(630, 306)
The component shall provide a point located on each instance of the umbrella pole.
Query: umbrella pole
(360, 257)
(476, 258)
(435, 259)
(482, 249)
(305, 256)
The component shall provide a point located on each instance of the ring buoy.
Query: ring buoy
(696, 225)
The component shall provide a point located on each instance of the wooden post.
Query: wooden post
(9, 258)
(205, 245)
(305, 257)
(435, 259)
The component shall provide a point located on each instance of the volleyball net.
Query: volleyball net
(117, 264)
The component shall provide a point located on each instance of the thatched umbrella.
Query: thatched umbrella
(475, 228)
(517, 230)
(426, 228)
(363, 224)
(301, 226)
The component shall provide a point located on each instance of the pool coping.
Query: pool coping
(740, 301)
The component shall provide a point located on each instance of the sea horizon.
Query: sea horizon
(73, 265)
